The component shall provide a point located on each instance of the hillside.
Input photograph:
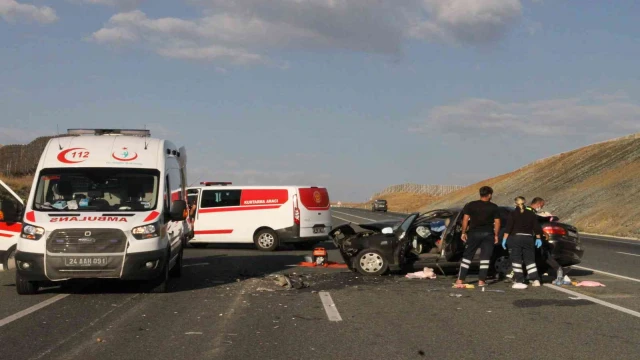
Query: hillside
(595, 188)
(21, 185)
(398, 201)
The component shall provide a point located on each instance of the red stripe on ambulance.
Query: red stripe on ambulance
(237, 208)
(212, 232)
(16, 227)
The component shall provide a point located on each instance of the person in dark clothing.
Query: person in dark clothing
(522, 226)
(480, 229)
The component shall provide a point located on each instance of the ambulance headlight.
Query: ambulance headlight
(31, 232)
(146, 231)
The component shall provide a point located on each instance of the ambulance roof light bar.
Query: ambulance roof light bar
(99, 132)
(211, 183)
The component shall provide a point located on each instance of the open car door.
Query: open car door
(452, 247)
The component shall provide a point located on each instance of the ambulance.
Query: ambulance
(11, 207)
(266, 216)
(105, 203)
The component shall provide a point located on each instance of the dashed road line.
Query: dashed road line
(339, 218)
(624, 253)
(359, 217)
(34, 308)
(594, 300)
(329, 306)
(606, 273)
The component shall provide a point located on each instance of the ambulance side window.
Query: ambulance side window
(167, 194)
(220, 198)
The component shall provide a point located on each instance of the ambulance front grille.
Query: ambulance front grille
(87, 241)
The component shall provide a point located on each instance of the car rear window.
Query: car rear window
(314, 198)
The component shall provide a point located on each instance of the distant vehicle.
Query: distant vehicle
(105, 203)
(264, 215)
(398, 245)
(11, 207)
(379, 205)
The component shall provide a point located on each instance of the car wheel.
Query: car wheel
(502, 265)
(25, 287)
(177, 268)
(9, 262)
(199, 245)
(371, 262)
(266, 240)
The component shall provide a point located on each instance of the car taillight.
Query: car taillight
(296, 211)
(554, 230)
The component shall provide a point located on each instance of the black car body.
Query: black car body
(379, 205)
(436, 235)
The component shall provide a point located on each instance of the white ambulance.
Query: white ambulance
(105, 203)
(264, 215)
(11, 207)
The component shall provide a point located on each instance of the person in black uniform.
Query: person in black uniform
(480, 229)
(522, 226)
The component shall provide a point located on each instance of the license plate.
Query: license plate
(318, 230)
(86, 261)
(573, 234)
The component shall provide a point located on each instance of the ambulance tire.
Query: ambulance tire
(161, 284)
(176, 271)
(24, 287)
(266, 240)
(9, 262)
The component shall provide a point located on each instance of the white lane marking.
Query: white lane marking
(330, 307)
(339, 218)
(624, 253)
(613, 237)
(34, 308)
(592, 299)
(199, 264)
(607, 240)
(606, 273)
(360, 217)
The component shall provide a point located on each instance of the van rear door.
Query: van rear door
(315, 212)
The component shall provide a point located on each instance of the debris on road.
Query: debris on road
(590, 284)
(463, 286)
(455, 295)
(426, 273)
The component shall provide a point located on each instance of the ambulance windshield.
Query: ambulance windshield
(97, 189)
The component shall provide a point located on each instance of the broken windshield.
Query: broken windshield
(97, 189)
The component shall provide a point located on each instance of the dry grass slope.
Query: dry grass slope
(21, 185)
(595, 188)
(399, 202)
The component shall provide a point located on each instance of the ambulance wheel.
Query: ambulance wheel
(176, 271)
(9, 261)
(266, 240)
(371, 262)
(24, 287)
(161, 284)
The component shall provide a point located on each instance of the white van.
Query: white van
(105, 203)
(264, 215)
(11, 207)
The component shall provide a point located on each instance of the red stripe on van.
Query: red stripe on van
(251, 197)
(212, 232)
(238, 208)
(152, 216)
(16, 227)
(314, 198)
(7, 235)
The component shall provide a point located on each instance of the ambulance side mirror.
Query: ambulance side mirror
(178, 211)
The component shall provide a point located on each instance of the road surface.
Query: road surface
(226, 306)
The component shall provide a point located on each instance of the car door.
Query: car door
(453, 244)
(11, 208)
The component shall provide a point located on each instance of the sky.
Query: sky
(354, 95)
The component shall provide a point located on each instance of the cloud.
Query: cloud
(127, 4)
(586, 115)
(469, 22)
(234, 32)
(13, 11)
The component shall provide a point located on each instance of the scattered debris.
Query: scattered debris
(264, 289)
(290, 282)
(590, 284)
(463, 286)
(455, 295)
(426, 273)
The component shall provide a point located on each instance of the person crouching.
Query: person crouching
(522, 225)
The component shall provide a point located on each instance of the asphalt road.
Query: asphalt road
(227, 306)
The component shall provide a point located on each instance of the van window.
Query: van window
(220, 198)
(97, 189)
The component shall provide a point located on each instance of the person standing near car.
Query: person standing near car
(522, 226)
(536, 206)
(480, 229)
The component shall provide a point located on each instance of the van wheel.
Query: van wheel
(9, 262)
(177, 268)
(371, 262)
(24, 287)
(266, 240)
(161, 284)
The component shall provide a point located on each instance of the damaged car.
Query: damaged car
(435, 236)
